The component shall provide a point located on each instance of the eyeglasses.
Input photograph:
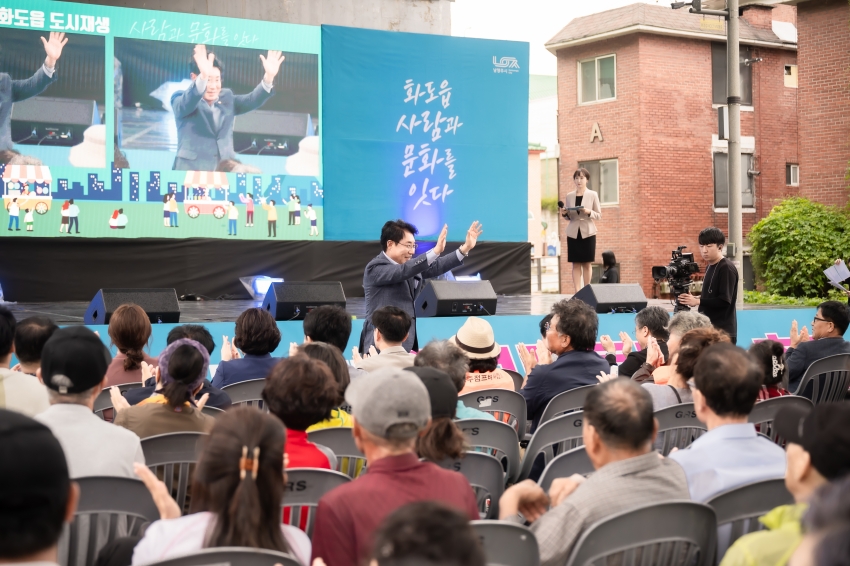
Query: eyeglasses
(820, 319)
(408, 246)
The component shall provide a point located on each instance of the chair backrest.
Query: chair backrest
(226, 555)
(661, 534)
(109, 508)
(332, 460)
(516, 376)
(248, 393)
(485, 475)
(678, 427)
(564, 465)
(826, 380)
(507, 544)
(496, 439)
(214, 412)
(350, 461)
(304, 488)
(103, 401)
(506, 406)
(558, 435)
(172, 458)
(764, 413)
(566, 402)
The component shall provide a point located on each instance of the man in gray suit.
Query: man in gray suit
(14, 91)
(204, 112)
(395, 277)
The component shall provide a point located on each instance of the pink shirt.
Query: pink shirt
(117, 375)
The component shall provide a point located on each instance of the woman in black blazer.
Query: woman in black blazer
(609, 264)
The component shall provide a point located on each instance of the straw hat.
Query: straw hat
(476, 339)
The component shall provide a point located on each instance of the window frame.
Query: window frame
(752, 182)
(598, 189)
(579, 83)
(794, 75)
(790, 170)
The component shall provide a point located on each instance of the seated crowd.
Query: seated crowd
(404, 412)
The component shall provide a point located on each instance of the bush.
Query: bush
(761, 298)
(550, 204)
(795, 243)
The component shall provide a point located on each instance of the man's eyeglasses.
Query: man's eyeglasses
(820, 319)
(411, 247)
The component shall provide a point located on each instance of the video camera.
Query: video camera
(678, 273)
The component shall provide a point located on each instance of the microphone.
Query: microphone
(560, 204)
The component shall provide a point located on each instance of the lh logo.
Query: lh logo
(505, 65)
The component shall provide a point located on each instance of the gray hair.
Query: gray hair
(444, 356)
(83, 398)
(686, 321)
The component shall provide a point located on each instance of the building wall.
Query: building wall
(824, 105)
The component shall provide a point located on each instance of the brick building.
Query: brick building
(638, 92)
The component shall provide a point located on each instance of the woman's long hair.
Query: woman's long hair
(239, 479)
(130, 330)
(185, 366)
(443, 439)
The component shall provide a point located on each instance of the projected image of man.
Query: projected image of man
(204, 112)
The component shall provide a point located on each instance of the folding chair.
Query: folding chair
(248, 393)
(661, 534)
(826, 380)
(564, 465)
(172, 458)
(516, 376)
(566, 402)
(214, 412)
(226, 555)
(764, 413)
(506, 406)
(332, 460)
(103, 402)
(558, 435)
(304, 488)
(486, 477)
(350, 461)
(739, 509)
(507, 544)
(109, 508)
(496, 439)
(678, 427)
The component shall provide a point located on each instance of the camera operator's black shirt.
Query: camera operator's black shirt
(719, 295)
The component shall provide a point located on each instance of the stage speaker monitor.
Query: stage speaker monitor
(45, 120)
(159, 304)
(455, 298)
(292, 300)
(613, 297)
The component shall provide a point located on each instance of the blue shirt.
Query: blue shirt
(243, 369)
(728, 457)
(464, 412)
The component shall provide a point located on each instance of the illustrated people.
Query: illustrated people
(14, 214)
(28, 219)
(272, 215)
(248, 200)
(581, 208)
(73, 216)
(297, 210)
(118, 219)
(63, 227)
(290, 207)
(232, 217)
(311, 216)
(204, 112)
(166, 212)
(172, 209)
(16, 90)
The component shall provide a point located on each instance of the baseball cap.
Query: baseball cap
(389, 397)
(74, 360)
(441, 391)
(822, 431)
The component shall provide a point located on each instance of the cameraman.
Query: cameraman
(720, 284)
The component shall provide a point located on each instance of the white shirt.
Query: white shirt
(233, 213)
(14, 209)
(311, 214)
(92, 446)
(176, 537)
(73, 211)
(430, 256)
(28, 216)
(22, 393)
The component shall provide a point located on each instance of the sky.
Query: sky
(534, 21)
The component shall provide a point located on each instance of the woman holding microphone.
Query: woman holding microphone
(582, 208)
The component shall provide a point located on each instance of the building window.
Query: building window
(721, 181)
(719, 78)
(791, 76)
(597, 79)
(792, 174)
(604, 179)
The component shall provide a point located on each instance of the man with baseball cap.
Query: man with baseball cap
(36, 495)
(817, 451)
(390, 409)
(73, 367)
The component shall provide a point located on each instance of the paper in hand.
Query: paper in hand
(836, 274)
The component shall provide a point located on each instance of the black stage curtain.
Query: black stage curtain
(73, 269)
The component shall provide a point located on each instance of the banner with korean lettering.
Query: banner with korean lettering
(428, 128)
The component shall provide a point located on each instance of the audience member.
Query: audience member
(610, 273)
(331, 356)
(476, 339)
(572, 336)
(827, 524)
(828, 328)
(817, 451)
(731, 453)
(650, 322)
(448, 358)
(427, 533)
(73, 367)
(257, 335)
(31, 334)
(771, 355)
(130, 331)
(181, 370)
(392, 326)
(618, 432)
(442, 438)
(38, 498)
(544, 325)
(390, 408)
(330, 324)
(681, 323)
(237, 491)
(18, 391)
(301, 392)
